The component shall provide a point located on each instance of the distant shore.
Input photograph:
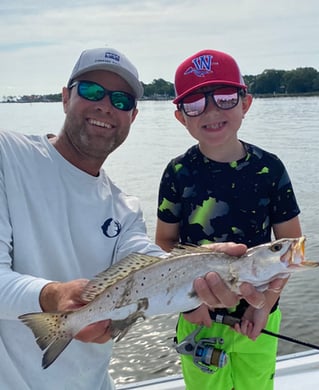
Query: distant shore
(283, 95)
(55, 99)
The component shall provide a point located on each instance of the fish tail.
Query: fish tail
(51, 331)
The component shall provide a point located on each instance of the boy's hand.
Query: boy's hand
(212, 290)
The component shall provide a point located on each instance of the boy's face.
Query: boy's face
(215, 126)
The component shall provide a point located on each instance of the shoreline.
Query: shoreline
(44, 99)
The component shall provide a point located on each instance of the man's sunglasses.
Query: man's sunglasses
(94, 92)
(224, 98)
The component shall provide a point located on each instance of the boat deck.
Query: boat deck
(294, 371)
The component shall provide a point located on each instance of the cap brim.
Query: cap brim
(206, 84)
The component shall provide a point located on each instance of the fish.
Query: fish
(141, 286)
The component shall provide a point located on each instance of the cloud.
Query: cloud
(40, 41)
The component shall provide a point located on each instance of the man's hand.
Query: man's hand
(57, 297)
(99, 333)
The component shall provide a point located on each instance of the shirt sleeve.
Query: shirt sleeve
(169, 197)
(18, 293)
(283, 200)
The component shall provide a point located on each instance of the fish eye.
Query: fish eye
(276, 247)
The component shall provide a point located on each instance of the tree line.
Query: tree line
(270, 82)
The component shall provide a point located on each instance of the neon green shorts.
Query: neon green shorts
(250, 366)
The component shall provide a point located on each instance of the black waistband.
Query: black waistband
(238, 312)
(241, 308)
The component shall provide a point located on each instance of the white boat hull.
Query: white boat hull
(293, 372)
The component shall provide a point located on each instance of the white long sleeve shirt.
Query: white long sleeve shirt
(56, 223)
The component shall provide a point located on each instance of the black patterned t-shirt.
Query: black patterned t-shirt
(218, 202)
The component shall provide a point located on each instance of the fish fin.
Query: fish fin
(311, 264)
(119, 328)
(50, 332)
(118, 271)
(117, 332)
(181, 249)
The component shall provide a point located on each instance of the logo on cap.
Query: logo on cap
(202, 66)
(112, 56)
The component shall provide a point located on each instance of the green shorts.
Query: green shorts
(251, 364)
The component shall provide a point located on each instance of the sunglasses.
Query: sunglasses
(224, 98)
(94, 92)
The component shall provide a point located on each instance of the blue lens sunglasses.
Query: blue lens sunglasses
(94, 92)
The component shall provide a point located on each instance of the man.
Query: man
(62, 219)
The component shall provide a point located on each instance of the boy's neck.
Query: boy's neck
(224, 153)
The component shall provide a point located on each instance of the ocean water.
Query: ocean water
(285, 126)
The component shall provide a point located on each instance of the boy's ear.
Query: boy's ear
(180, 117)
(246, 101)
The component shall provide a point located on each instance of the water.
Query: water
(287, 127)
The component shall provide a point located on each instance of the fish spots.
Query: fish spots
(125, 268)
(192, 294)
(164, 274)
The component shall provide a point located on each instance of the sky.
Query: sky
(40, 40)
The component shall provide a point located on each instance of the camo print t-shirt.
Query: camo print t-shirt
(218, 202)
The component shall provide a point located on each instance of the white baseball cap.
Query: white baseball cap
(111, 60)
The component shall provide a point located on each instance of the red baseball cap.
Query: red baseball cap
(207, 67)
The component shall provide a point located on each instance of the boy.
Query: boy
(224, 189)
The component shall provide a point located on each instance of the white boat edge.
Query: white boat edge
(293, 371)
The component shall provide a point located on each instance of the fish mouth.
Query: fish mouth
(295, 255)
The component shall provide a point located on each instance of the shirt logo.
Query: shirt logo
(111, 228)
(202, 66)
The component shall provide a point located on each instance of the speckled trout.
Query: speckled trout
(142, 286)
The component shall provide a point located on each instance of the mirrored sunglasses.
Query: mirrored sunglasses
(224, 98)
(94, 92)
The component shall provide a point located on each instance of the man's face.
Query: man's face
(96, 128)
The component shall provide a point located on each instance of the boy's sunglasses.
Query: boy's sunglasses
(224, 98)
(94, 92)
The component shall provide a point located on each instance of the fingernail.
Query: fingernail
(260, 305)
